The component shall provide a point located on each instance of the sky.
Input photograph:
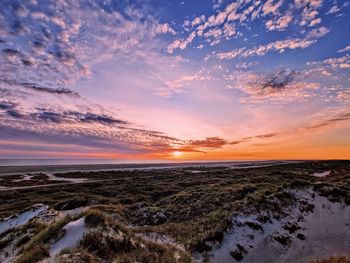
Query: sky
(175, 80)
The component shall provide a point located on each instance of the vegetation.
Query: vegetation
(37, 252)
(339, 259)
(37, 248)
(190, 207)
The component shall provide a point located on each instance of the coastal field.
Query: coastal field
(247, 212)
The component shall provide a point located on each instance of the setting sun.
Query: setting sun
(177, 154)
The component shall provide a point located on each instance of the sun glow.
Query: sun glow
(177, 154)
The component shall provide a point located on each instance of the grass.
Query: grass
(192, 208)
(96, 218)
(37, 248)
(76, 255)
(37, 252)
(5, 242)
(22, 241)
(52, 232)
(335, 259)
(110, 241)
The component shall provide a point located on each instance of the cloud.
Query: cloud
(46, 48)
(246, 65)
(179, 85)
(10, 109)
(277, 15)
(216, 26)
(272, 7)
(345, 49)
(338, 63)
(253, 138)
(198, 20)
(181, 44)
(269, 135)
(318, 32)
(94, 118)
(334, 9)
(58, 91)
(344, 95)
(229, 30)
(278, 80)
(210, 142)
(282, 85)
(47, 116)
(164, 29)
(7, 105)
(280, 46)
(279, 24)
(328, 121)
(309, 11)
(37, 88)
(217, 3)
(237, 142)
(69, 116)
(14, 113)
(81, 129)
(338, 117)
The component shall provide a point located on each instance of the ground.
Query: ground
(175, 214)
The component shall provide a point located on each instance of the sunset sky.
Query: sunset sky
(175, 80)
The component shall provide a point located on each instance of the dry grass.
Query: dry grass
(37, 252)
(36, 248)
(192, 208)
(335, 259)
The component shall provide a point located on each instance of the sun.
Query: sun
(177, 154)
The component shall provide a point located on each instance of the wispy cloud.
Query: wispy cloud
(45, 48)
(342, 62)
(279, 46)
(238, 15)
(210, 142)
(37, 88)
(345, 49)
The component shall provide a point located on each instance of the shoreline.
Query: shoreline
(11, 170)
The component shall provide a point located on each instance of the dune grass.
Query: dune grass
(334, 259)
(37, 248)
(192, 208)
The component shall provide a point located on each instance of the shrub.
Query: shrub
(337, 259)
(38, 252)
(95, 218)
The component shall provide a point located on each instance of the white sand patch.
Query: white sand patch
(22, 218)
(194, 171)
(326, 231)
(74, 232)
(322, 174)
(52, 177)
(26, 177)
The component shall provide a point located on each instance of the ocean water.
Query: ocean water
(30, 162)
(26, 162)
